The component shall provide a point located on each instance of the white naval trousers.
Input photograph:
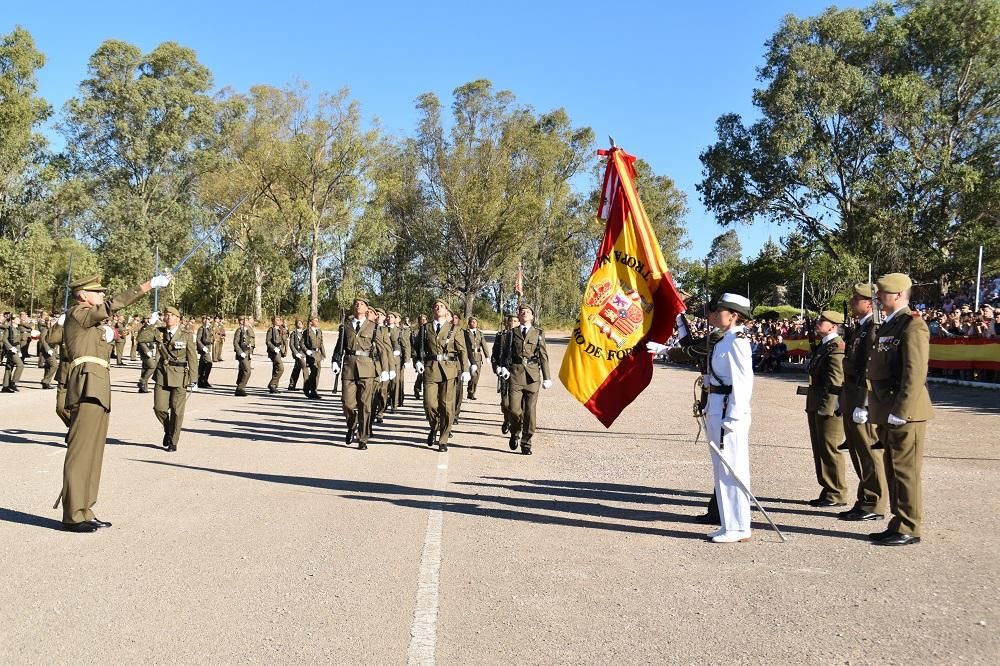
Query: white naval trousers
(734, 504)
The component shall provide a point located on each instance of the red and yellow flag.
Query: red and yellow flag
(630, 299)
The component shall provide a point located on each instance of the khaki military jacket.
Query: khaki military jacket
(477, 348)
(87, 352)
(206, 337)
(857, 347)
(314, 342)
(356, 352)
(897, 370)
(443, 353)
(273, 342)
(176, 356)
(244, 341)
(826, 376)
(527, 358)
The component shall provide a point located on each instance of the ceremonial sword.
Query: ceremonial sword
(204, 240)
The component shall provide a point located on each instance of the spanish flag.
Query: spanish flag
(629, 300)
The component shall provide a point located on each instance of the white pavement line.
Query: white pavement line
(423, 632)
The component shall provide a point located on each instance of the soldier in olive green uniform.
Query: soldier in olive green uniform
(399, 339)
(296, 345)
(175, 373)
(88, 395)
(899, 406)
(205, 340)
(273, 341)
(479, 351)
(526, 364)
(826, 428)
(315, 351)
(55, 337)
(860, 434)
(148, 354)
(443, 362)
(501, 343)
(120, 332)
(381, 396)
(219, 341)
(134, 326)
(456, 322)
(26, 334)
(243, 344)
(354, 359)
(47, 356)
(41, 328)
(416, 342)
(11, 351)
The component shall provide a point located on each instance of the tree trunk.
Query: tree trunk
(258, 292)
(314, 284)
(469, 299)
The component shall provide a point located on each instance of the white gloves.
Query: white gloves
(655, 347)
(420, 368)
(466, 377)
(860, 415)
(109, 333)
(546, 383)
(503, 373)
(408, 365)
(392, 374)
(309, 352)
(729, 425)
(154, 317)
(895, 420)
(335, 367)
(473, 368)
(298, 356)
(158, 281)
(62, 319)
(242, 355)
(384, 377)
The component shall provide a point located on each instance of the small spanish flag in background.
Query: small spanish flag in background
(630, 299)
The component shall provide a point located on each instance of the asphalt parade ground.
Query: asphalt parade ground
(264, 539)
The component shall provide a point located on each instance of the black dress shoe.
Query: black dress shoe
(442, 447)
(7, 389)
(272, 389)
(378, 419)
(525, 450)
(859, 515)
(80, 528)
(207, 385)
(46, 386)
(430, 437)
(240, 393)
(898, 539)
(15, 388)
(362, 446)
(472, 397)
(884, 534)
(505, 428)
(166, 441)
(98, 522)
(825, 503)
(291, 388)
(512, 442)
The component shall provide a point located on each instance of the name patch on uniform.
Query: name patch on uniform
(180, 345)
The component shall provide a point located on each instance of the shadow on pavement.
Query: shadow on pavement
(21, 518)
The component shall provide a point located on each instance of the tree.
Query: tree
(725, 249)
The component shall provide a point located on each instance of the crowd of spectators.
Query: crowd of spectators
(952, 317)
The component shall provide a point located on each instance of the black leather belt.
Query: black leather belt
(178, 364)
(723, 389)
(525, 361)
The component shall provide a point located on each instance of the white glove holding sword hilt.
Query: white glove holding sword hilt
(420, 368)
(160, 281)
(655, 348)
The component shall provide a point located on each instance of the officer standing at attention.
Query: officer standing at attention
(315, 352)
(174, 372)
(88, 395)
(826, 427)
(354, 359)
(526, 365)
(443, 362)
(243, 344)
(220, 339)
(273, 341)
(899, 406)
(11, 351)
(206, 338)
(858, 430)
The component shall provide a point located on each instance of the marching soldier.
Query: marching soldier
(219, 340)
(354, 359)
(478, 353)
(456, 322)
(46, 354)
(55, 338)
(25, 329)
(399, 338)
(416, 342)
(381, 396)
(826, 427)
(148, 354)
(174, 372)
(527, 366)
(40, 329)
(315, 352)
(860, 433)
(243, 344)
(284, 338)
(443, 361)
(120, 332)
(88, 395)
(273, 342)
(297, 345)
(12, 347)
(134, 326)
(899, 406)
(205, 341)
(501, 344)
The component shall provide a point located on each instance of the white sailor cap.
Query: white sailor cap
(735, 303)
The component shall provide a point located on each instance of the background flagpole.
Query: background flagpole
(979, 276)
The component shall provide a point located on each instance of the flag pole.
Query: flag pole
(802, 297)
(979, 276)
(156, 271)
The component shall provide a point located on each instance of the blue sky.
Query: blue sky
(655, 75)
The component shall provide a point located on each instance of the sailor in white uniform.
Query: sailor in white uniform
(730, 380)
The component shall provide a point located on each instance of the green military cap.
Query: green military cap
(394, 314)
(832, 316)
(171, 310)
(863, 289)
(379, 311)
(442, 302)
(89, 283)
(361, 298)
(525, 306)
(894, 283)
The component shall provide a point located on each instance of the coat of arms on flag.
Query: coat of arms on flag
(630, 298)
